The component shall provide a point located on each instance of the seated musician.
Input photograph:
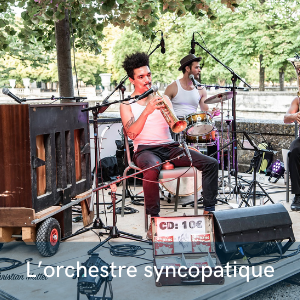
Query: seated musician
(184, 96)
(292, 115)
(152, 141)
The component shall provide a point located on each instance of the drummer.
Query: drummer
(184, 96)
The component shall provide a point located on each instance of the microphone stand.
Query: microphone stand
(77, 99)
(218, 86)
(233, 88)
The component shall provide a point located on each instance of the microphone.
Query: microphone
(187, 151)
(7, 92)
(193, 45)
(162, 44)
(193, 80)
(154, 89)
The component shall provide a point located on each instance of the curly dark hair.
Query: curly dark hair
(134, 61)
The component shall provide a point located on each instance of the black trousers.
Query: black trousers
(147, 156)
(294, 165)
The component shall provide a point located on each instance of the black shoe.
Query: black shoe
(295, 206)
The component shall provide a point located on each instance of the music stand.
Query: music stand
(258, 154)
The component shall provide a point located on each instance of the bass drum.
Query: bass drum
(186, 187)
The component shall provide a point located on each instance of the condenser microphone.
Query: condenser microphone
(7, 92)
(162, 44)
(150, 91)
(193, 80)
(193, 44)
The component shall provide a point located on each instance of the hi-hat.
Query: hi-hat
(219, 97)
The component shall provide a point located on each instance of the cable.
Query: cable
(127, 210)
(202, 39)
(14, 263)
(125, 250)
(152, 41)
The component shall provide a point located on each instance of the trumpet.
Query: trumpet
(175, 124)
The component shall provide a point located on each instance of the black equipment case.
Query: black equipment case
(184, 248)
(252, 227)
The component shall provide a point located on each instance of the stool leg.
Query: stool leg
(288, 179)
(124, 191)
(195, 192)
(146, 219)
(177, 193)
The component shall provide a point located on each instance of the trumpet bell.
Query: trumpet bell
(179, 126)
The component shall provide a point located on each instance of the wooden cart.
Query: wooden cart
(43, 228)
(44, 164)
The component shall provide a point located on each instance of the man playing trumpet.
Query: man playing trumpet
(153, 144)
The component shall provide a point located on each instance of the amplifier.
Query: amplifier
(249, 226)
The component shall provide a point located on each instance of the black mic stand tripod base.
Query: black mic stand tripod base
(113, 230)
(252, 188)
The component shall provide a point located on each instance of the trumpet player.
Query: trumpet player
(153, 144)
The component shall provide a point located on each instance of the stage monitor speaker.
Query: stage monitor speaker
(252, 228)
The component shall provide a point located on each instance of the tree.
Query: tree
(85, 20)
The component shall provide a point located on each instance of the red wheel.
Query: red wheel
(53, 237)
(48, 237)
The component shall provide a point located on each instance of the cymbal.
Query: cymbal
(219, 97)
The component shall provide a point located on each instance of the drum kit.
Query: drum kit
(200, 133)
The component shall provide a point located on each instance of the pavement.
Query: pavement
(54, 281)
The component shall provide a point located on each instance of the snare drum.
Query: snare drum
(207, 139)
(199, 124)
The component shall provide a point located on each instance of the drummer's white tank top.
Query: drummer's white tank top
(185, 102)
(156, 130)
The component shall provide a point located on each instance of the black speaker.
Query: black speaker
(254, 229)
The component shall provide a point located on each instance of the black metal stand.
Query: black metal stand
(258, 154)
(97, 224)
(252, 188)
(113, 230)
(233, 88)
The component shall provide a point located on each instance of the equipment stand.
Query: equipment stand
(113, 230)
(258, 154)
(98, 224)
(252, 188)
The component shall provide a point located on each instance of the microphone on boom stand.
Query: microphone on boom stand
(154, 89)
(195, 83)
(193, 45)
(162, 44)
(7, 92)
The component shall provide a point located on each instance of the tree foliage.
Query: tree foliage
(111, 29)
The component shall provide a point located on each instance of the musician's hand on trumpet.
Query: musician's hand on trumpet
(154, 103)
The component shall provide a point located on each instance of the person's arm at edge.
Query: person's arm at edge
(293, 113)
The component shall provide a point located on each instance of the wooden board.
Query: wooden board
(16, 216)
(87, 215)
(29, 235)
(7, 232)
(85, 194)
(46, 212)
